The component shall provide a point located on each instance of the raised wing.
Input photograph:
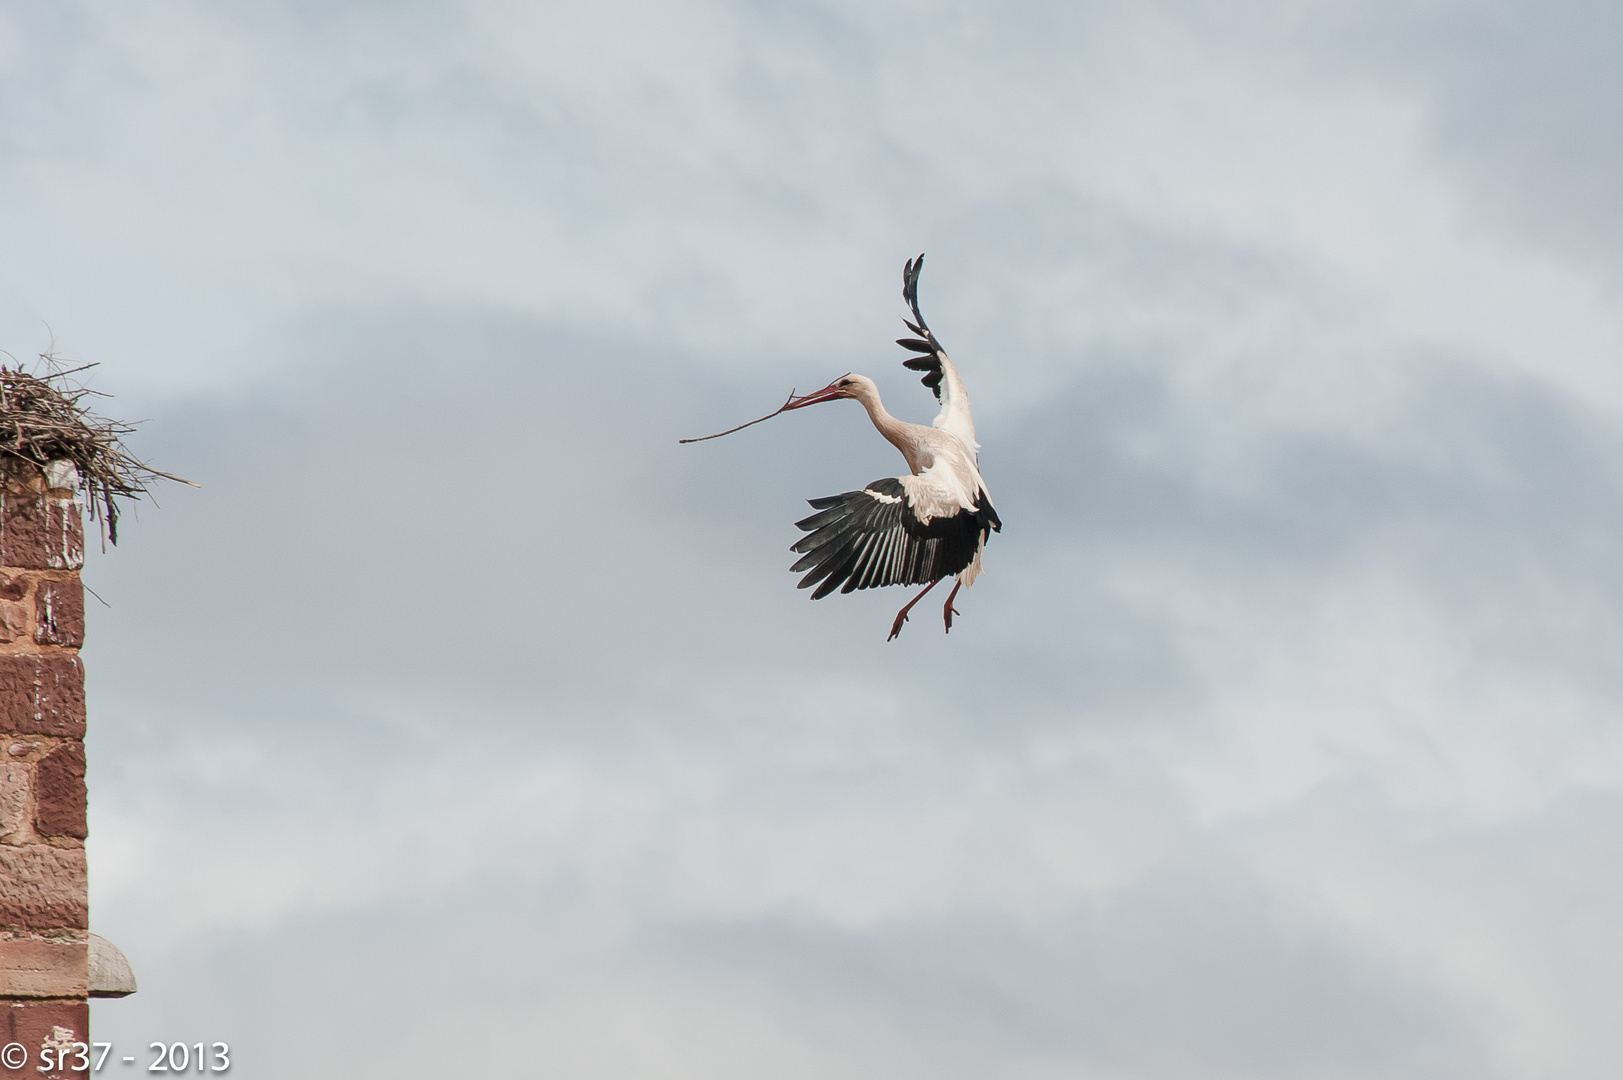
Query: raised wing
(939, 373)
(875, 537)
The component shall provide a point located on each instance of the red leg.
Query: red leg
(949, 611)
(901, 616)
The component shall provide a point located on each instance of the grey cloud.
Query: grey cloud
(1278, 739)
(1519, 101)
(353, 486)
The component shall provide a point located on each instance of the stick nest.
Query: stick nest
(44, 418)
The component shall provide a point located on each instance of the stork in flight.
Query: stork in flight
(904, 530)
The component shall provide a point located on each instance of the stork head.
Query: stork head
(846, 386)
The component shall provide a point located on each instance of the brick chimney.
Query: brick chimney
(47, 954)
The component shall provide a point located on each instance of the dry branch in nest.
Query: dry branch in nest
(43, 419)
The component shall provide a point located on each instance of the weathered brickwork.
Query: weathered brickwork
(59, 792)
(59, 613)
(36, 964)
(43, 887)
(38, 1024)
(44, 908)
(42, 694)
(40, 530)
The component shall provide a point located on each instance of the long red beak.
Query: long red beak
(831, 392)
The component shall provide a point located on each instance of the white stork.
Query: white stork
(904, 530)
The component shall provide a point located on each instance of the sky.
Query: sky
(464, 722)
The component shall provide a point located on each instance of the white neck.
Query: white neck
(897, 432)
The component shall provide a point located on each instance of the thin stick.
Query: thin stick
(741, 427)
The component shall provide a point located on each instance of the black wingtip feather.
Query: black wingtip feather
(926, 342)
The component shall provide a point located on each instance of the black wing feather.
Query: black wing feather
(871, 538)
(925, 342)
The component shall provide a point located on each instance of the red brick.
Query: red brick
(49, 967)
(38, 532)
(35, 1025)
(65, 534)
(43, 888)
(15, 788)
(22, 530)
(59, 792)
(42, 695)
(16, 621)
(59, 612)
(13, 586)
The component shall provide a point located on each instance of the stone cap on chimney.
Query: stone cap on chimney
(110, 973)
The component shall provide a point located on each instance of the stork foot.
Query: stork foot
(901, 616)
(948, 611)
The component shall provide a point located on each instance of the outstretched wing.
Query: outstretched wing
(871, 538)
(939, 373)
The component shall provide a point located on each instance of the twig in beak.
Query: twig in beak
(741, 427)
